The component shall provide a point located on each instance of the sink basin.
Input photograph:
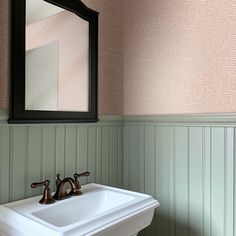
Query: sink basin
(86, 207)
(101, 210)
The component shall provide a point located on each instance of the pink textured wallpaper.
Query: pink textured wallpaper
(110, 55)
(4, 53)
(111, 90)
(180, 56)
(158, 56)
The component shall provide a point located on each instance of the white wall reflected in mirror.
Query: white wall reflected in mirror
(57, 59)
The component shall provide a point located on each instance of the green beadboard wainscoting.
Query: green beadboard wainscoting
(30, 153)
(188, 164)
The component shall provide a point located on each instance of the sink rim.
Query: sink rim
(92, 217)
(141, 203)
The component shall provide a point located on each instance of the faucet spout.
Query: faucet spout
(62, 192)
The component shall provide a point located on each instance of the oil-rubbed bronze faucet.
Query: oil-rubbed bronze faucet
(47, 198)
(62, 193)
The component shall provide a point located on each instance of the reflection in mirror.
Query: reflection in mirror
(57, 59)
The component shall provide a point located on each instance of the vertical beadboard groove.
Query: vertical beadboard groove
(195, 187)
(141, 151)
(26, 163)
(188, 182)
(211, 181)
(109, 156)
(114, 156)
(105, 155)
(30, 153)
(200, 177)
(11, 165)
(53, 184)
(125, 157)
(203, 142)
(41, 159)
(120, 156)
(82, 158)
(66, 148)
(155, 157)
(139, 164)
(91, 153)
(229, 156)
(99, 155)
(76, 148)
(127, 166)
(43, 151)
(60, 149)
(199, 161)
(203, 177)
(207, 181)
(4, 164)
(34, 151)
(87, 151)
(172, 188)
(217, 181)
(18, 162)
(234, 187)
(225, 179)
(95, 156)
(1, 163)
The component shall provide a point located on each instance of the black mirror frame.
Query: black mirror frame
(17, 113)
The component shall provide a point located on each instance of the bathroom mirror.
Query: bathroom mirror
(54, 62)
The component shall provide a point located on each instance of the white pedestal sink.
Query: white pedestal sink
(100, 211)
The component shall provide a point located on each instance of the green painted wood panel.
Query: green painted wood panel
(99, 155)
(19, 159)
(30, 153)
(113, 153)
(105, 162)
(195, 181)
(217, 181)
(133, 159)
(82, 157)
(171, 167)
(34, 159)
(120, 156)
(71, 151)
(229, 181)
(4, 164)
(60, 150)
(141, 159)
(49, 153)
(206, 142)
(126, 167)
(162, 181)
(190, 170)
(92, 153)
(150, 161)
(181, 178)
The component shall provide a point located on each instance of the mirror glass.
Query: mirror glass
(56, 59)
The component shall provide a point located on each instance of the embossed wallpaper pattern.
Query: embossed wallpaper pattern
(4, 53)
(180, 56)
(110, 54)
(161, 57)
